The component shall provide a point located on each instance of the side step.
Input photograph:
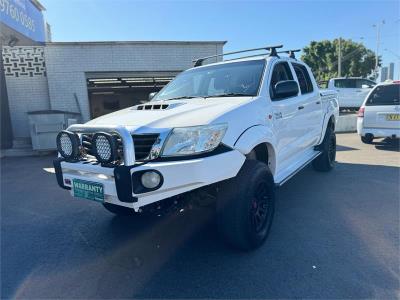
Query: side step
(298, 169)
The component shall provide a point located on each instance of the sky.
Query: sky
(243, 24)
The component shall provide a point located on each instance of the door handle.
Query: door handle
(318, 102)
(278, 115)
(300, 107)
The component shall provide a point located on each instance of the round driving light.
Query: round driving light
(68, 144)
(105, 147)
(151, 179)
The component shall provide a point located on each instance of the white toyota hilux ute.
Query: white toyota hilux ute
(351, 91)
(232, 131)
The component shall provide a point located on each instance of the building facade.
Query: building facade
(384, 74)
(391, 71)
(91, 78)
(21, 24)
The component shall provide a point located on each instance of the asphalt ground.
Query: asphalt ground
(335, 235)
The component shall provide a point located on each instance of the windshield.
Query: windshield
(233, 79)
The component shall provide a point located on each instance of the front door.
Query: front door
(287, 117)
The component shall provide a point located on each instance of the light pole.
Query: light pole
(340, 58)
(378, 36)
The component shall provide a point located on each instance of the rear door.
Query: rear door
(310, 111)
(382, 108)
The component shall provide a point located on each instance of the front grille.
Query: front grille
(143, 144)
(87, 143)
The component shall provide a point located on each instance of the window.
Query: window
(365, 82)
(281, 72)
(345, 83)
(304, 78)
(384, 95)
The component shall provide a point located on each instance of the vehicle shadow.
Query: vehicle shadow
(345, 148)
(326, 242)
(388, 144)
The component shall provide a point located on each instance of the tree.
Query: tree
(322, 57)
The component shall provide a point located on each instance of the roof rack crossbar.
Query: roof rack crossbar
(199, 61)
(290, 52)
(247, 56)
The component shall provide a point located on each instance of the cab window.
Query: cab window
(345, 83)
(304, 78)
(365, 82)
(281, 72)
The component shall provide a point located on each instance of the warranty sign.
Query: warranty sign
(88, 190)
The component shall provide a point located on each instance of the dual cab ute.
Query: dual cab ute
(351, 91)
(232, 130)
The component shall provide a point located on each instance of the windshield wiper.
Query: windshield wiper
(211, 96)
(229, 95)
(183, 97)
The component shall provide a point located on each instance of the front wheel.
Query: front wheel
(246, 206)
(326, 160)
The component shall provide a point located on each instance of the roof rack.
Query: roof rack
(290, 52)
(198, 62)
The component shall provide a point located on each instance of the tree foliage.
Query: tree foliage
(322, 57)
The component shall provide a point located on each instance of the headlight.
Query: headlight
(193, 140)
(68, 145)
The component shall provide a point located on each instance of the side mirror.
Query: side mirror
(151, 95)
(286, 89)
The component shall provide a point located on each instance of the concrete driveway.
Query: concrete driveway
(335, 235)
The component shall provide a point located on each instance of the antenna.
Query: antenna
(198, 62)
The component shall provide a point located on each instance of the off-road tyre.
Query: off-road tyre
(245, 206)
(326, 160)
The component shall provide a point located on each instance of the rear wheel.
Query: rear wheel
(119, 210)
(326, 160)
(367, 139)
(246, 206)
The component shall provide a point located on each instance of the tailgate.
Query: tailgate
(382, 116)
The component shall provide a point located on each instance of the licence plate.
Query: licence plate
(88, 190)
(393, 117)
